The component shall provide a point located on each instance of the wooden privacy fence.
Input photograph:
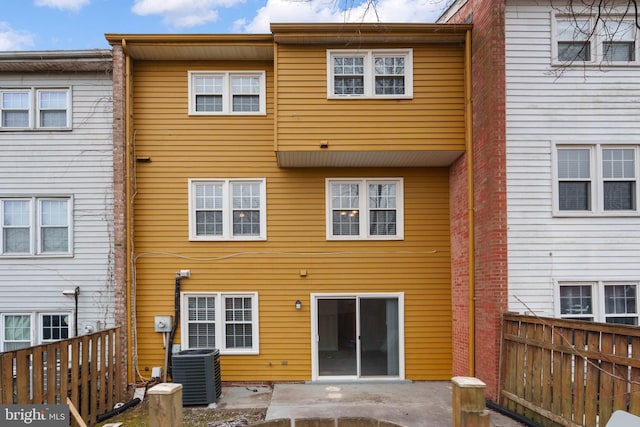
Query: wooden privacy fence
(560, 372)
(86, 369)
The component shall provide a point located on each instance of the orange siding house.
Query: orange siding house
(287, 201)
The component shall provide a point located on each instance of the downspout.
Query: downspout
(127, 184)
(470, 203)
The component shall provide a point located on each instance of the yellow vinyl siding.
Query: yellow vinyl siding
(432, 120)
(182, 147)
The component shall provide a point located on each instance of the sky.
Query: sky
(81, 24)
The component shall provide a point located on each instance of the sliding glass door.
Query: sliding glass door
(358, 336)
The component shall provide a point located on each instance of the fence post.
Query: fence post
(165, 405)
(468, 403)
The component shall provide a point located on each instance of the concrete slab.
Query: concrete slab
(244, 397)
(413, 404)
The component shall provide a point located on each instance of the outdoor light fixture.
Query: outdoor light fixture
(298, 304)
(74, 293)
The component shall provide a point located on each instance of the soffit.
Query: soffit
(194, 47)
(340, 159)
(353, 34)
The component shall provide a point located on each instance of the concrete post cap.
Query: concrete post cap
(467, 382)
(165, 388)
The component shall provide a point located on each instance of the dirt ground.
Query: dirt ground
(138, 416)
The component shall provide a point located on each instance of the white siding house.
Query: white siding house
(573, 162)
(56, 195)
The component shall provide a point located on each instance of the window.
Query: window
(619, 44)
(372, 74)
(35, 108)
(227, 209)
(236, 92)
(365, 209)
(35, 226)
(608, 302)
(597, 179)
(576, 302)
(574, 39)
(228, 322)
(54, 327)
(16, 331)
(610, 40)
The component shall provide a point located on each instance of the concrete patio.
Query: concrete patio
(411, 404)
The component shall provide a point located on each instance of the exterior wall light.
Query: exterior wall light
(298, 304)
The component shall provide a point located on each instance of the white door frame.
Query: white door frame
(315, 376)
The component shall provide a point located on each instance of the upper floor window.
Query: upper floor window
(227, 92)
(608, 40)
(35, 108)
(228, 322)
(35, 226)
(619, 40)
(370, 73)
(227, 209)
(597, 179)
(365, 209)
(609, 302)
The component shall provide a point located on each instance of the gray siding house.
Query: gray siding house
(56, 195)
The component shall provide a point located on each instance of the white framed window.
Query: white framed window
(35, 108)
(17, 331)
(35, 226)
(370, 73)
(227, 92)
(227, 209)
(54, 327)
(608, 40)
(369, 209)
(600, 301)
(573, 39)
(619, 40)
(598, 179)
(225, 321)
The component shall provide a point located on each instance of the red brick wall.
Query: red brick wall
(459, 208)
(119, 198)
(489, 145)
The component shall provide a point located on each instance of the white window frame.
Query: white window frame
(227, 211)
(599, 36)
(597, 181)
(227, 95)
(219, 321)
(598, 302)
(364, 208)
(3, 338)
(35, 227)
(369, 70)
(34, 108)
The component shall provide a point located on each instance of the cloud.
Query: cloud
(63, 4)
(183, 13)
(307, 11)
(11, 39)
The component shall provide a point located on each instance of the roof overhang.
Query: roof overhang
(194, 47)
(339, 159)
(379, 33)
(56, 61)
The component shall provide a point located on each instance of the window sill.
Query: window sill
(228, 239)
(583, 214)
(370, 97)
(34, 256)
